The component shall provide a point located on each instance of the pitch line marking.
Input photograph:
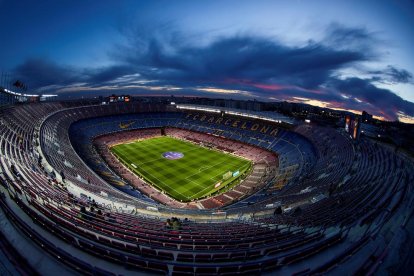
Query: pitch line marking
(164, 184)
(162, 158)
(207, 167)
(163, 189)
(212, 178)
(201, 169)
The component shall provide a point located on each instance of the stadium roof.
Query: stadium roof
(262, 115)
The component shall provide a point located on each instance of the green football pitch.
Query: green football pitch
(194, 173)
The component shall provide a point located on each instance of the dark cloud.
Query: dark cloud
(262, 66)
(392, 75)
(37, 73)
(343, 37)
(377, 100)
(242, 57)
(105, 74)
(40, 72)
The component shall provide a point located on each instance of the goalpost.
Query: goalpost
(227, 175)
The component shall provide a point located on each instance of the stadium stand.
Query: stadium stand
(316, 202)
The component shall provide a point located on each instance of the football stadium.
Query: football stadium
(154, 188)
(206, 138)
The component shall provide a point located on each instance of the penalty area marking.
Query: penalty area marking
(203, 168)
(163, 183)
(212, 178)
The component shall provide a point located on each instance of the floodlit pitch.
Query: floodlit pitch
(183, 170)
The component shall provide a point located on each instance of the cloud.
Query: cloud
(38, 72)
(105, 74)
(45, 74)
(238, 57)
(357, 38)
(239, 66)
(241, 57)
(371, 98)
(392, 75)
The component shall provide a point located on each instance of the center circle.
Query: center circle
(172, 155)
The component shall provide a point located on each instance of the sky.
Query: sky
(347, 55)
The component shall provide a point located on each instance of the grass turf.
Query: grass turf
(190, 177)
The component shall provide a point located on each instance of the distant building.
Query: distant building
(366, 117)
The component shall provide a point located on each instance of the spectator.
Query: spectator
(82, 213)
